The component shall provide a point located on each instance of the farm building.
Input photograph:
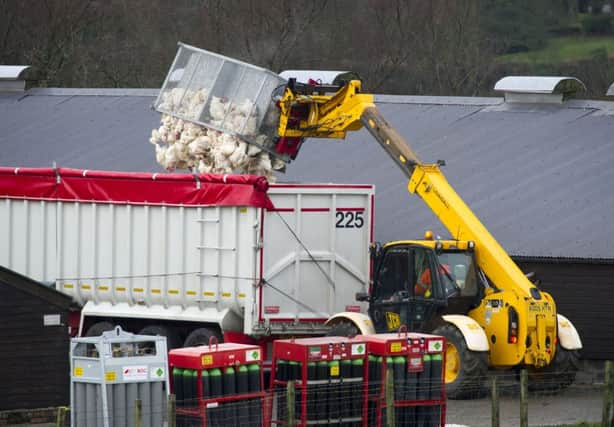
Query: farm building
(533, 164)
(35, 343)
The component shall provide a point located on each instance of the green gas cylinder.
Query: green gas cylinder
(178, 385)
(357, 389)
(255, 412)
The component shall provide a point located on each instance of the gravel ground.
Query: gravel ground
(582, 401)
(572, 406)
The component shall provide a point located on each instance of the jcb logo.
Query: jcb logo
(393, 321)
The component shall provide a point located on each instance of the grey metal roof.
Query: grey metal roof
(539, 176)
(81, 128)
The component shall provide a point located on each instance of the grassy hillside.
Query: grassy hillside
(564, 49)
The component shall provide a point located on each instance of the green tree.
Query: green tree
(515, 25)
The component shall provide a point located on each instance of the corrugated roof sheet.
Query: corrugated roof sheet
(540, 177)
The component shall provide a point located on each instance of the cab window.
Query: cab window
(401, 268)
(460, 276)
(393, 272)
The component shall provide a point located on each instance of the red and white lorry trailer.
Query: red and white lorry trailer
(190, 256)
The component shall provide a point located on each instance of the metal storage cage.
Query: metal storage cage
(330, 374)
(221, 93)
(110, 372)
(416, 363)
(218, 384)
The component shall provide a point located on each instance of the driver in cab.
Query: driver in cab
(423, 287)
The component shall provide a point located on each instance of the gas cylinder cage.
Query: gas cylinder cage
(110, 372)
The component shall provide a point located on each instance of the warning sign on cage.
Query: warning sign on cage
(135, 373)
(252, 355)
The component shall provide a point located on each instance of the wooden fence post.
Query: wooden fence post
(137, 413)
(389, 397)
(290, 400)
(61, 419)
(171, 410)
(608, 395)
(524, 398)
(495, 402)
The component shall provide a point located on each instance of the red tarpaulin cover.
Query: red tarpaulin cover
(134, 187)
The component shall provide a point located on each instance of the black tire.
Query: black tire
(343, 328)
(172, 338)
(465, 369)
(201, 336)
(98, 328)
(558, 375)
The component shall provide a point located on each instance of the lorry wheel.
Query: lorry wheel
(201, 336)
(343, 329)
(98, 328)
(172, 339)
(465, 370)
(557, 376)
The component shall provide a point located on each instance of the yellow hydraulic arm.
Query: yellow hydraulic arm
(428, 182)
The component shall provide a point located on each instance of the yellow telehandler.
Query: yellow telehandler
(490, 313)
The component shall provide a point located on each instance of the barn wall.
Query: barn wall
(583, 294)
(34, 359)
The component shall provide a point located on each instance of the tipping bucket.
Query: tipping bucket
(222, 94)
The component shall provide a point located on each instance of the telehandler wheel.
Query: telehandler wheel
(201, 336)
(465, 370)
(343, 329)
(557, 376)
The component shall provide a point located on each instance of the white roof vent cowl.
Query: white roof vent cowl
(538, 89)
(12, 78)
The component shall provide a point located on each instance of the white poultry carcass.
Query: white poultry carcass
(187, 138)
(254, 149)
(214, 139)
(228, 144)
(238, 159)
(182, 151)
(167, 120)
(200, 146)
(220, 163)
(218, 107)
(245, 108)
(234, 123)
(155, 137)
(260, 165)
(171, 157)
(197, 101)
(251, 124)
(178, 126)
(177, 95)
(193, 130)
(161, 155)
(163, 132)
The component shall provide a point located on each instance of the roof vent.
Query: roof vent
(610, 91)
(537, 89)
(12, 78)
